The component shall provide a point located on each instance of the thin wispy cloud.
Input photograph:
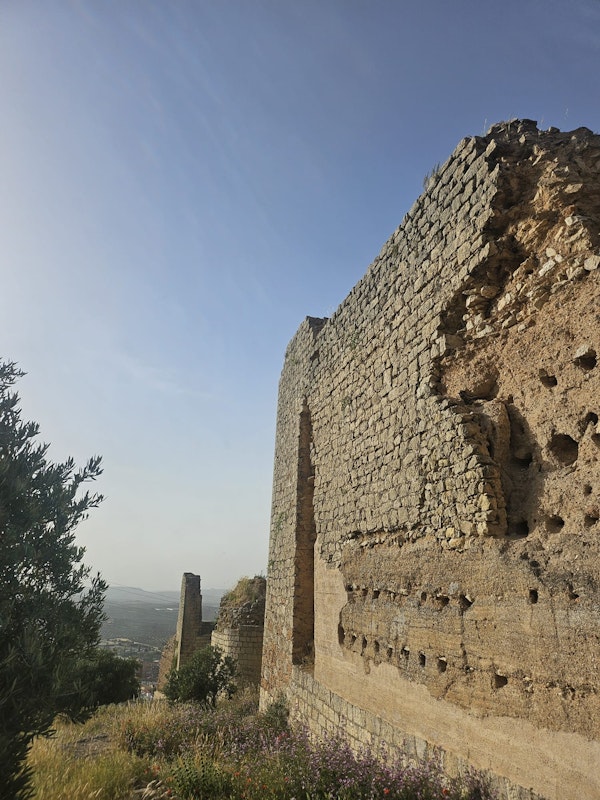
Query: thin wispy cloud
(182, 183)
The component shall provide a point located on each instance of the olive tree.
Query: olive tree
(50, 610)
(103, 678)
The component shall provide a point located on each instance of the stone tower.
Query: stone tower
(189, 622)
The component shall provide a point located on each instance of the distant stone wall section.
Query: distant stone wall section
(189, 620)
(434, 556)
(166, 663)
(192, 632)
(240, 626)
(244, 645)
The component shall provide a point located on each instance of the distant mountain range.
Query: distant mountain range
(133, 594)
(149, 616)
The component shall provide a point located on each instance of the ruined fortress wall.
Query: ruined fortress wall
(244, 645)
(434, 552)
(291, 545)
(189, 620)
(327, 713)
(192, 633)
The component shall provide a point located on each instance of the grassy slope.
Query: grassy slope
(154, 751)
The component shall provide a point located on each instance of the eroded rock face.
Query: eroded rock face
(440, 514)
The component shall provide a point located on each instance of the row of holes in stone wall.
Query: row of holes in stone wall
(438, 601)
(533, 595)
(565, 450)
(499, 680)
(404, 657)
(554, 523)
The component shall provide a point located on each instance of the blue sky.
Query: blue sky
(182, 182)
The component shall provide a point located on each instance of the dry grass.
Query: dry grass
(246, 590)
(83, 762)
(158, 751)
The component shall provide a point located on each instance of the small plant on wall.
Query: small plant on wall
(280, 519)
(431, 177)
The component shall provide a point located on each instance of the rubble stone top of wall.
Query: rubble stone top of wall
(244, 604)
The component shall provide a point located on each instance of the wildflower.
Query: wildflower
(386, 790)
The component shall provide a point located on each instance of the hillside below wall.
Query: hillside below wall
(434, 551)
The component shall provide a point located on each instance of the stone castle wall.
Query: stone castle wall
(244, 645)
(240, 626)
(434, 553)
(191, 634)
(189, 620)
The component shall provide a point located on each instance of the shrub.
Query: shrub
(203, 679)
(276, 715)
(159, 730)
(102, 678)
(198, 776)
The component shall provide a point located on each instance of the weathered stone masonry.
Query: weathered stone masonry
(240, 626)
(244, 645)
(192, 632)
(434, 553)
